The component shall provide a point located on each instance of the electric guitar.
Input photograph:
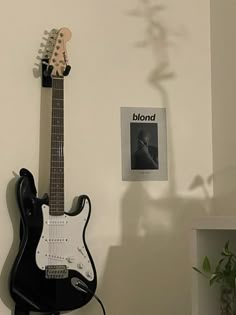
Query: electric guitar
(53, 270)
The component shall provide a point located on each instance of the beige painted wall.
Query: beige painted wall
(223, 109)
(139, 233)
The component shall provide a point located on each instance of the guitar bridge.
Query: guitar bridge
(56, 272)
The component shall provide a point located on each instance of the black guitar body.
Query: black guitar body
(29, 287)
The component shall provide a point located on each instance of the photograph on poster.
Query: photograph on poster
(144, 144)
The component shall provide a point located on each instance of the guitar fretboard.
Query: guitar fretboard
(57, 148)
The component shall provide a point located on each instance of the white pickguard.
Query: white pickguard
(61, 242)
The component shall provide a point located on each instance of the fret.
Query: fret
(56, 178)
(57, 111)
(57, 175)
(55, 146)
(57, 212)
(57, 202)
(56, 192)
(55, 126)
(57, 103)
(55, 168)
(58, 108)
(57, 162)
(57, 121)
(56, 208)
(53, 192)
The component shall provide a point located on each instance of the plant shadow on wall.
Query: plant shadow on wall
(150, 271)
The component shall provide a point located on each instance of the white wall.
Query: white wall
(139, 232)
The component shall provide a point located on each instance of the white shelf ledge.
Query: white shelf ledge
(215, 223)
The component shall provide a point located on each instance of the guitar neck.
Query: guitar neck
(57, 148)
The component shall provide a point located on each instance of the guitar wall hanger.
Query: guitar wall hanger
(47, 70)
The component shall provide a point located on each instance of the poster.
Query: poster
(143, 144)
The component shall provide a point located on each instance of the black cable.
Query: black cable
(100, 302)
(84, 287)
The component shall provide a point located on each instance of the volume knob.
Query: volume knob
(70, 259)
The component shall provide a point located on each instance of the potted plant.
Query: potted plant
(224, 275)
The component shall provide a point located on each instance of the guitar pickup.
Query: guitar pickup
(56, 272)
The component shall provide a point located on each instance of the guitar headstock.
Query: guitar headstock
(58, 60)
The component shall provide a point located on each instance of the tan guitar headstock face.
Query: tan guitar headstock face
(58, 62)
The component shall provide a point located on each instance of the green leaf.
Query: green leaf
(219, 265)
(206, 266)
(226, 251)
(213, 278)
(226, 246)
(198, 270)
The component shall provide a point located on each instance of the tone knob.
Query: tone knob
(80, 265)
(70, 259)
(89, 274)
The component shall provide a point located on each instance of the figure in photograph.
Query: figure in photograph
(144, 146)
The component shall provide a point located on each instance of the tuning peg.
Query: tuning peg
(48, 45)
(67, 70)
(51, 32)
